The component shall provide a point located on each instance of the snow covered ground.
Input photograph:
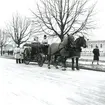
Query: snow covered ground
(22, 84)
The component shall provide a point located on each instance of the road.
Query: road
(22, 84)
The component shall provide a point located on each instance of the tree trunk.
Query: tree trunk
(61, 37)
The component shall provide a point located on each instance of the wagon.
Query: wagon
(33, 52)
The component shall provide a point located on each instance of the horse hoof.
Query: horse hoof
(77, 68)
(57, 67)
(73, 69)
(49, 68)
(64, 69)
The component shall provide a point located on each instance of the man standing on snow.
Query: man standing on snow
(17, 54)
(96, 55)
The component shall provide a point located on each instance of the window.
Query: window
(91, 46)
(100, 45)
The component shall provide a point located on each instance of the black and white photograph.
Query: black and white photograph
(52, 52)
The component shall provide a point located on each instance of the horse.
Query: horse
(75, 51)
(55, 48)
(68, 48)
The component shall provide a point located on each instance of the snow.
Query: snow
(33, 85)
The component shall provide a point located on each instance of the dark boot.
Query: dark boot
(72, 63)
(22, 61)
(19, 61)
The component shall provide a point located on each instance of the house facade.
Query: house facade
(91, 45)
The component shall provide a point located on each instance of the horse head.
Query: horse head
(70, 41)
(81, 42)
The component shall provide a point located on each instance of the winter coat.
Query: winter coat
(96, 54)
(17, 53)
(45, 41)
(22, 53)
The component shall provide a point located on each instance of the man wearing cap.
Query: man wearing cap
(45, 45)
(45, 40)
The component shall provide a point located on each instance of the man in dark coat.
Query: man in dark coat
(45, 44)
(96, 55)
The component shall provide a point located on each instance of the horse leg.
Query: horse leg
(64, 63)
(49, 59)
(56, 61)
(72, 63)
(77, 66)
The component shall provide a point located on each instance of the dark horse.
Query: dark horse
(68, 48)
(75, 51)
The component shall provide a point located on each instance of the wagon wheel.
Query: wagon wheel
(26, 56)
(40, 60)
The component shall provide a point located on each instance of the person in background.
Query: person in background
(45, 40)
(22, 54)
(35, 40)
(45, 45)
(17, 54)
(96, 53)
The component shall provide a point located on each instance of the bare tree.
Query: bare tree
(19, 29)
(63, 17)
(3, 40)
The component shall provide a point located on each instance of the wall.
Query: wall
(91, 45)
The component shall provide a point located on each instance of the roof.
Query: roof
(33, 44)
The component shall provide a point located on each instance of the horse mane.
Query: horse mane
(78, 42)
(67, 40)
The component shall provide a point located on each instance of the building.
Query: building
(91, 45)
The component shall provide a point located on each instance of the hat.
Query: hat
(45, 36)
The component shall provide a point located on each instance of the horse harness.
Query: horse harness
(70, 44)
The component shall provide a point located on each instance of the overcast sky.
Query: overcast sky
(9, 7)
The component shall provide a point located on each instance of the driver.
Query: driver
(45, 40)
(45, 44)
